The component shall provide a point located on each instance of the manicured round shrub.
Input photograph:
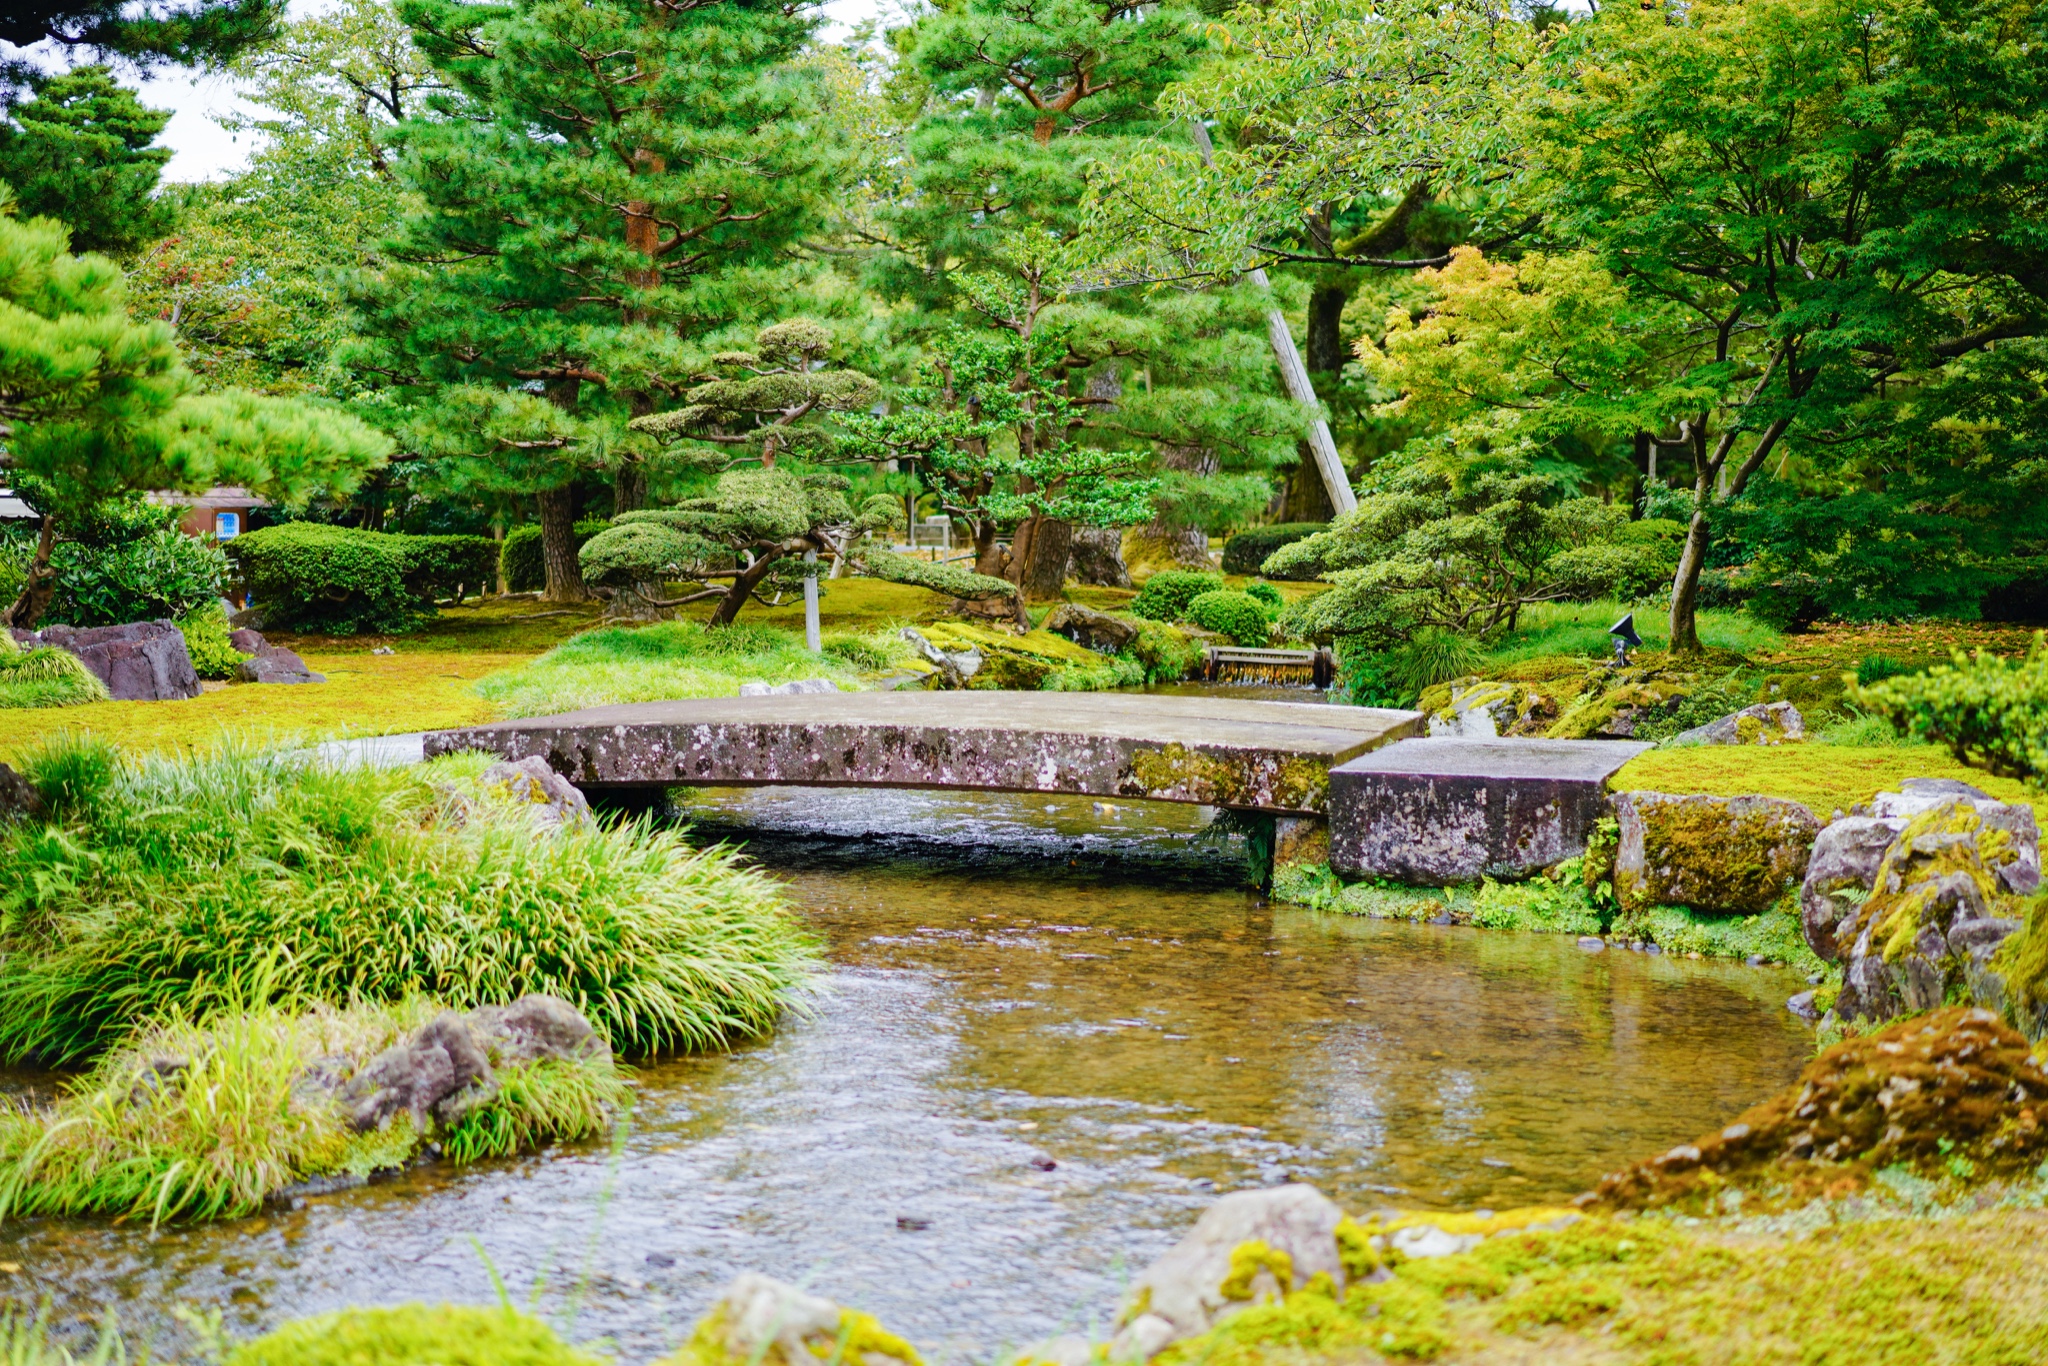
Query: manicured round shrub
(1248, 549)
(1166, 595)
(413, 1335)
(1266, 593)
(1240, 616)
(307, 576)
(520, 559)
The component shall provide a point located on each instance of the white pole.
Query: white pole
(812, 640)
(1293, 373)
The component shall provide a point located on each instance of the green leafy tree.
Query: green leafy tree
(155, 32)
(1427, 553)
(991, 428)
(1836, 202)
(601, 182)
(94, 403)
(81, 152)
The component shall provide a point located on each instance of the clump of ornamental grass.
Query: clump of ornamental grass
(203, 1121)
(174, 885)
(45, 677)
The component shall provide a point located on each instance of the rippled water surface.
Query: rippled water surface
(1049, 1036)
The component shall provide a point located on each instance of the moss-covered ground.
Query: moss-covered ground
(1822, 776)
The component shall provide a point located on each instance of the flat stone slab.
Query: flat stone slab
(1218, 751)
(1438, 812)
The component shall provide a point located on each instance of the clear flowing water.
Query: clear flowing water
(1048, 1037)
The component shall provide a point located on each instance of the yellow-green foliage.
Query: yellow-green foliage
(205, 629)
(1548, 905)
(192, 1121)
(1649, 1293)
(413, 1335)
(1824, 778)
(1723, 856)
(2023, 962)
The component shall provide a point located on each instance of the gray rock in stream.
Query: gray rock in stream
(1181, 1295)
(763, 1321)
(448, 1066)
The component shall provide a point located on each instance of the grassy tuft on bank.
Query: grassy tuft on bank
(677, 659)
(408, 1334)
(179, 885)
(192, 1121)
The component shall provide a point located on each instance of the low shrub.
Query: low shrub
(44, 677)
(1862, 731)
(163, 573)
(1398, 677)
(1876, 668)
(1988, 712)
(231, 876)
(194, 1121)
(1240, 616)
(410, 1334)
(1244, 552)
(1265, 593)
(307, 576)
(651, 663)
(520, 559)
(1166, 595)
(1167, 654)
(205, 629)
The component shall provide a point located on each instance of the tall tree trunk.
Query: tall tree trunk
(1325, 330)
(498, 535)
(1099, 557)
(1160, 539)
(988, 557)
(629, 487)
(1305, 499)
(1685, 585)
(1042, 569)
(743, 586)
(41, 584)
(558, 545)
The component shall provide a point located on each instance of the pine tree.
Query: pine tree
(80, 152)
(1021, 104)
(94, 403)
(199, 33)
(598, 188)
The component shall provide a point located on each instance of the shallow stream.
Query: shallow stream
(1048, 1037)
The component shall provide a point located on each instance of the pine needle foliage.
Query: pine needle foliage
(182, 884)
(204, 1121)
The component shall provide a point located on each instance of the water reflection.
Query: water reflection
(1021, 1079)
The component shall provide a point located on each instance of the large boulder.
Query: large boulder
(1958, 1083)
(19, 799)
(1085, 626)
(1943, 898)
(142, 661)
(552, 800)
(1766, 723)
(275, 664)
(1728, 855)
(1840, 872)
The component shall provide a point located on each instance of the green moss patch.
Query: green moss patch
(413, 1335)
(1824, 778)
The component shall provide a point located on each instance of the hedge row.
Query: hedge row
(521, 562)
(306, 576)
(1247, 550)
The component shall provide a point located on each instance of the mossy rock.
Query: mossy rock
(1731, 855)
(413, 1335)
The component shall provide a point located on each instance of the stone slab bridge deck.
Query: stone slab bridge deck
(1219, 751)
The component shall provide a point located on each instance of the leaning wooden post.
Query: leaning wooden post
(1293, 373)
(812, 641)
